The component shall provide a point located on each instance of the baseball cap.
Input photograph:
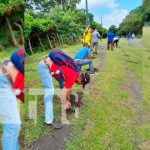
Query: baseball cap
(17, 58)
(85, 79)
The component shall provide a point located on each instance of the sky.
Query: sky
(112, 11)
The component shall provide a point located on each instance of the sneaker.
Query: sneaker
(92, 73)
(55, 125)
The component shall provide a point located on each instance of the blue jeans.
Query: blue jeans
(10, 115)
(84, 62)
(47, 82)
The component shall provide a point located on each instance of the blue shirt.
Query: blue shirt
(110, 36)
(82, 53)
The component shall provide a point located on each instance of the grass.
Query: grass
(34, 131)
(105, 121)
(144, 131)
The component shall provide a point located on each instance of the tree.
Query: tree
(146, 8)
(47, 5)
(133, 23)
(113, 28)
(11, 23)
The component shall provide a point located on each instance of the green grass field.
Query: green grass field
(144, 131)
(105, 120)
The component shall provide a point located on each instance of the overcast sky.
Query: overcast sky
(112, 11)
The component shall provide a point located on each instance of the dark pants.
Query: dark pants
(116, 43)
(110, 44)
(94, 47)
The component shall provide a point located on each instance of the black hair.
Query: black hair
(85, 45)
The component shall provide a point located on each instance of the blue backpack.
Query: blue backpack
(60, 59)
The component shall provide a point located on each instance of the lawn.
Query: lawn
(144, 131)
(106, 121)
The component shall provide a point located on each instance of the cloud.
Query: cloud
(114, 18)
(94, 4)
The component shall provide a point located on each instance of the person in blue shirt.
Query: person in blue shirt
(110, 40)
(129, 36)
(83, 57)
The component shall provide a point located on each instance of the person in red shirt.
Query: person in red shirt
(66, 77)
(11, 85)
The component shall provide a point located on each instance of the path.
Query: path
(135, 90)
(57, 139)
(54, 141)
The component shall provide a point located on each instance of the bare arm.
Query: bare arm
(89, 56)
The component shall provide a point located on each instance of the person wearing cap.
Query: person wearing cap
(11, 85)
(67, 77)
(83, 57)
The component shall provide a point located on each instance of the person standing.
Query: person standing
(46, 78)
(87, 35)
(129, 36)
(110, 40)
(94, 40)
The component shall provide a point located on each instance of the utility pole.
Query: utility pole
(101, 21)
(87, 20)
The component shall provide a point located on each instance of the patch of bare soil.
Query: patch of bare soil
(135, 90)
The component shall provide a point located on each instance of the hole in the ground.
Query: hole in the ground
(74, 104)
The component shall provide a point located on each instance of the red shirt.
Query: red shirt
(19, 84)
(69, 74)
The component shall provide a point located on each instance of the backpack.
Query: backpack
(60, 59)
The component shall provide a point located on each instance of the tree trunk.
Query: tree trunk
(54, 41)
(21, 33)
(1, 47)
(12, 33)
(30, 46)
(58, 39)
(40, 41)
(62, 40)
(49, 41)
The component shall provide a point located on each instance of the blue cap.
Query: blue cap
(17, 58)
